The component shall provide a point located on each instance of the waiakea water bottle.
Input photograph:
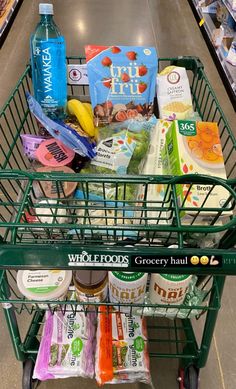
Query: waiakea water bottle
(48, 61)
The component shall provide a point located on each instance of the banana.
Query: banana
(76, 108)
(89, 108)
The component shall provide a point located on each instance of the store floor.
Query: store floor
(170, 26)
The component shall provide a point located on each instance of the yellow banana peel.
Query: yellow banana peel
(77, 108)
(89, 108)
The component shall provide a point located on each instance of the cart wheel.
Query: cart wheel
(191, 377)
(27, 381)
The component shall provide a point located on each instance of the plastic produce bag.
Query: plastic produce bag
(124, 149)
(120, 152)
(67, 346)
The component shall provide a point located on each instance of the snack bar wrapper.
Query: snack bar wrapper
(67, 347)
(122, 349)
(126, 326)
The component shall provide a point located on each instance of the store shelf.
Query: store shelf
(7, 17)
(226, 70)
(231, 11)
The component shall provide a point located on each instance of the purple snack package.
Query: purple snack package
(67, 347)
(30, 144)
(40, 370)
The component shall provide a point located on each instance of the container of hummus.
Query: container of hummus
(44, 285)
(56, 189)
(168, 288)
(91, 285)
(30, 144)
(127, 287)
(54, 153)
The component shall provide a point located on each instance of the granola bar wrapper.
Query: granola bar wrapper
(67, 346)
(122, 349)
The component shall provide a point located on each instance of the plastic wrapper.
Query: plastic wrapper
(100, 213)
(124, 150)
(121, 82)
(64, 133)
(120, 152)
(122, 360)
(126, 326)
(194, 297)
(67, 346)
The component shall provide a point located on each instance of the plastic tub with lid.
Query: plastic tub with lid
(44, 285)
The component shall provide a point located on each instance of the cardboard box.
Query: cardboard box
(156, 193)
(195, 148)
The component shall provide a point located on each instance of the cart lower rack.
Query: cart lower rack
(123, 233)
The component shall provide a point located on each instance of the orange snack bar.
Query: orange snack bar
(104, 366)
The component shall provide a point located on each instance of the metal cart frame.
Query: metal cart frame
(79, 243)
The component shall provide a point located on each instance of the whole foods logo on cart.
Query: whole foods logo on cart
(99, 260)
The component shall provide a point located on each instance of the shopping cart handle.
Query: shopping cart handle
(189, 63)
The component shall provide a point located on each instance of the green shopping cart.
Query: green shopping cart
(127, 239)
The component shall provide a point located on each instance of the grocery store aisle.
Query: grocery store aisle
(170, 26)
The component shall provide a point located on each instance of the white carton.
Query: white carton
(153, 166)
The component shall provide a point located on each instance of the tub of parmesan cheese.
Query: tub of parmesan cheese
(44, 285)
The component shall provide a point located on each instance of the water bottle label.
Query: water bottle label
(50, 72)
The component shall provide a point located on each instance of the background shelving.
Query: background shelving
(9, 11)
(226, 70)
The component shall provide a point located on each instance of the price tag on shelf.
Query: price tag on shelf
(202, 21)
